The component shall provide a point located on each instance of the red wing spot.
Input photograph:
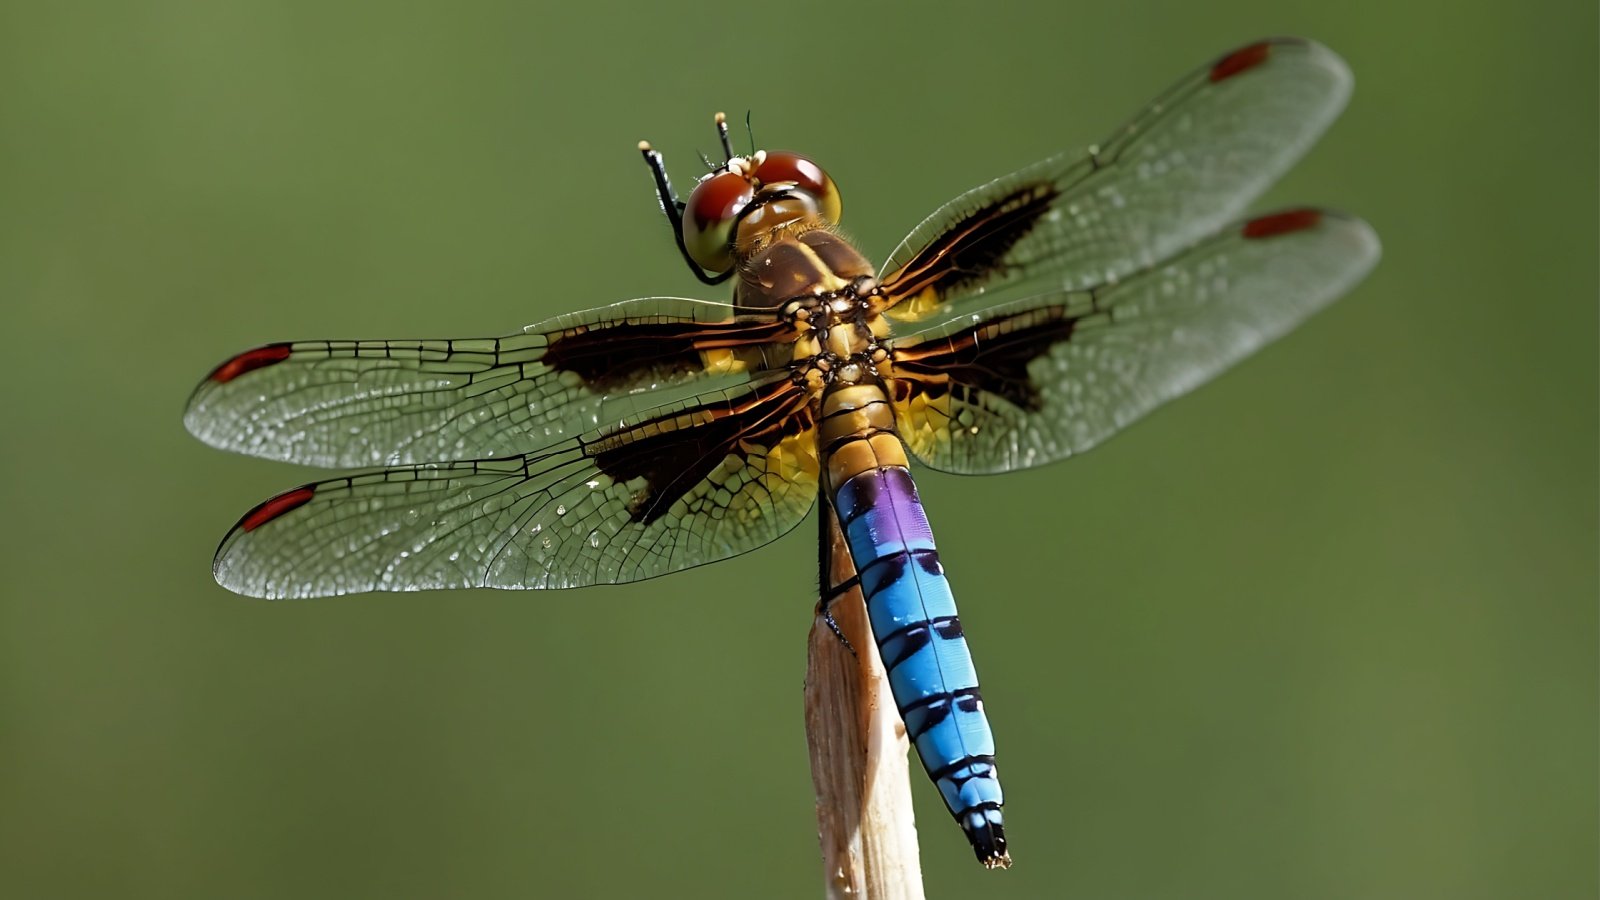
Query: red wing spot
(1281, 223)
(1240, 60)
(275, 507)
(249, 360)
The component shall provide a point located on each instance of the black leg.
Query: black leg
(670, 204)
(673, 207)
(830, 594)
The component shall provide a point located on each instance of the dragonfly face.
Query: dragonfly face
(751, 201)
(1021, 323)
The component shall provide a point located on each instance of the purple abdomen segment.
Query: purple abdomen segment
(914, 621)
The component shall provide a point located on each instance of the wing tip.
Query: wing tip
(195, 414)
(1280, 223)
(250, 360)
(1256, 53)
(273, 507)
(1299, 218)
(223, 563)
(1353, 229)
(1239, 61)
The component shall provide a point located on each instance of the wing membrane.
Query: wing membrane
(1190, 162)
(1041, 379)
(689, 484)
(339, 404)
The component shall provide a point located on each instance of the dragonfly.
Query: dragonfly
(1021, 323)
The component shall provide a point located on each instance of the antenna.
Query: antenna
(722, 135)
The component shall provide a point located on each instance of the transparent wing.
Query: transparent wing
(339, 404)
(692, 483)
(1040, 379)
(1190, 162)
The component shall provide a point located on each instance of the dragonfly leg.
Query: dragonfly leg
(673, 207)
(831, 593)
(827, 614)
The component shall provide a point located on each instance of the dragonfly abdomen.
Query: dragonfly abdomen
(913, 612)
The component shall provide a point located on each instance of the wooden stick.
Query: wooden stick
(858, 749)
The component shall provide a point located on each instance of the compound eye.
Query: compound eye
(781, 165)
(709, 216)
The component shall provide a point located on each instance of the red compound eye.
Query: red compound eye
(781, 165)
(708, 219)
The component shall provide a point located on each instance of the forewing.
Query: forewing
(1190, 162)
(690, 484)
(339, 404)
(1040, 379)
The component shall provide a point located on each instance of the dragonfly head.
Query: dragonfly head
(749, 197)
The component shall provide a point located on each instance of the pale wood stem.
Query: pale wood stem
(858, 750)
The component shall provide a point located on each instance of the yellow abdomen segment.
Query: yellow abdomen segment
(857, 432)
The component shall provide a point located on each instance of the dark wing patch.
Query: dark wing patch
(691, 483)
(1043, 378)
(674, 452)
(339, 404)
(621, 355)
(975, 247)
(990, 357)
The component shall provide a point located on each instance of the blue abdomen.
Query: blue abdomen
(914, 621)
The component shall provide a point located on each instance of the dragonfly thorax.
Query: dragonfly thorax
(804, 261)
(840, 335)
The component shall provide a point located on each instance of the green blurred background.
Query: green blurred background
(1326, 629)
